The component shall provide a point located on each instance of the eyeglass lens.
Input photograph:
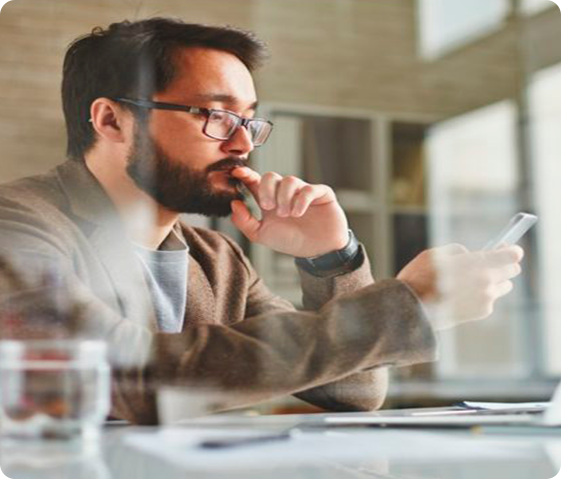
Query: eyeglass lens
(222, 125)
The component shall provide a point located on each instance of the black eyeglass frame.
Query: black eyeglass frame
(207, 112)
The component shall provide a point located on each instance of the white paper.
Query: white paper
(179, 446)
(505, 405)
(553, 449)
(439, 420)
(553, 415)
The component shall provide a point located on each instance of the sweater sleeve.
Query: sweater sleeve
(274, 351)
(363, 389)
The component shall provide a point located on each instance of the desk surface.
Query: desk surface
(359, 452)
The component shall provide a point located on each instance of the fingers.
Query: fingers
(467, 284)
(483, 279)
(441, 254)
(250, 178)
(244, 220)
(268, 190)
(503, 288)
(289, 196)
(482, 261)
(311, 194)
(467, 305)
(474, 270)
(263, 188)
(287, 189)
(450, 249)
(502, 256)
(507, 272)
(480, 303)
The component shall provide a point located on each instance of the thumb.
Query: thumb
(244, 220)
(441, 254)
(451, 249)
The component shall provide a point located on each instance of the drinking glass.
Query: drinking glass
(53, 389)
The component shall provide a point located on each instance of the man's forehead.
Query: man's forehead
(224, 98)
(210, 75)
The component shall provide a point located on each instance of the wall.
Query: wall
(347, 53)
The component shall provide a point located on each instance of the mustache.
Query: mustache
(226, 164)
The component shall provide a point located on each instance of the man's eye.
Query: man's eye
(218, 116)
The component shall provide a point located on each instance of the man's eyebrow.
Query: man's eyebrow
(223, 98)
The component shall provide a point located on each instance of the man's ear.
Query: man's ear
(109, 120)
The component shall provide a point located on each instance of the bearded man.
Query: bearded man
(161, 118)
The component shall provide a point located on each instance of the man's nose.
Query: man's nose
(240, 143)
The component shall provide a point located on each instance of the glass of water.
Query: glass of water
(53, 389)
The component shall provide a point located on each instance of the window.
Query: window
(530, 7)
(545, 124)
(473, 173)
(448, 24)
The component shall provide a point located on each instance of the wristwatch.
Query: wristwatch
(334, 263)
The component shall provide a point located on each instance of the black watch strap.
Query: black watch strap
(334, 263)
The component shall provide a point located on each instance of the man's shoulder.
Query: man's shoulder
(34, 214)
(35, 193)
(217, 253)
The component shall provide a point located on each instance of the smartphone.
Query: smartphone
(518, 225)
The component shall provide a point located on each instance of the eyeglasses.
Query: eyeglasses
(219, 124)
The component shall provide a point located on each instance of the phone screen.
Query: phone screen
(518, 225)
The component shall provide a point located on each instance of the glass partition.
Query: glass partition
(434, 121)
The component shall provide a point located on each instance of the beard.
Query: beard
(175, 185)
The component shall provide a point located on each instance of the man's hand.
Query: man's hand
(298, 219)
(458, 286)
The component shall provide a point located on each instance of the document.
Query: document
(505, 406)
(182, 447)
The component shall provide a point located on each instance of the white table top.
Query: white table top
(340, 452)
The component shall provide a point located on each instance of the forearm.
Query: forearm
(289, 352)
(317, 291)
(272, 353)
(263, 357)
(361, 391)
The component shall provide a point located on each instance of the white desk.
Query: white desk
(158, 453)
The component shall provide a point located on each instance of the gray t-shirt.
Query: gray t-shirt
(166, 270)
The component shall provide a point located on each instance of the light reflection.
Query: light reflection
(448, 24)
(545, 116)
(473, 177)
(52, 460)
(531, 7)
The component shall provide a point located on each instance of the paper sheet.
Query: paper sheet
(179, 446)
(530, 406)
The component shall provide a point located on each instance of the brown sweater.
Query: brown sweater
(239, 341)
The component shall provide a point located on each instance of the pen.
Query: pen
(225, 443)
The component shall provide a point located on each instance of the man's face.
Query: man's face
(171, 158)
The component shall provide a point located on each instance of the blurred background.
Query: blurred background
(434, 120)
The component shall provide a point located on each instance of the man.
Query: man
(160, 121)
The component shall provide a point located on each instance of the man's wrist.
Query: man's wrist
(335, 263)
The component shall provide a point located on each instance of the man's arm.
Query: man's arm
(361, 391)
(306, 221)
(265, 356)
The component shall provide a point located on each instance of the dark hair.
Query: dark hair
(136, 59)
